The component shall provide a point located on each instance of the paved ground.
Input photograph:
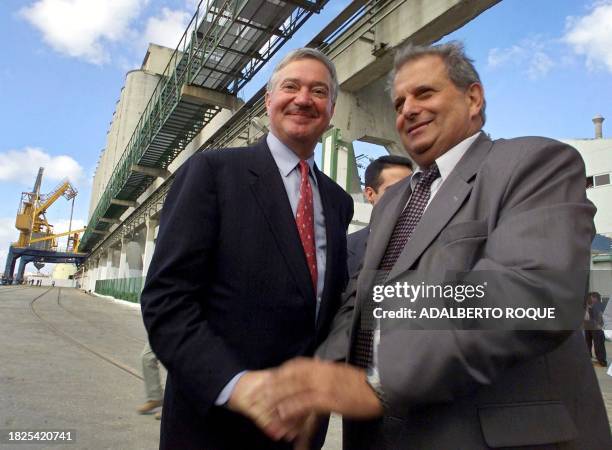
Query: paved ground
(72, 362)
(48, 382)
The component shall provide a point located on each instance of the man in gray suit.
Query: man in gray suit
(510, 212)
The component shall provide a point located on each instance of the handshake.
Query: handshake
(285, 402)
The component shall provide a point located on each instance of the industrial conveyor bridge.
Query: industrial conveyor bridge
(223, 47)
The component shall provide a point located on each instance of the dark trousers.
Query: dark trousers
(596, 339)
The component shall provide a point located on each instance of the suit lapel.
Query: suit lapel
(444, 205)
(379, 237)
(270, 193)
(380, 233)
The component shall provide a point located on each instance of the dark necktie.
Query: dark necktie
(305, 223)
(404, 227)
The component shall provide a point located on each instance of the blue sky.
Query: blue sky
(546, 66)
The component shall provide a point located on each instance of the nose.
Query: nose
(410, 108)
(303, 97)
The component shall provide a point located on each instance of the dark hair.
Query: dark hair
(373, 171)
(459, 67)
(595, 294)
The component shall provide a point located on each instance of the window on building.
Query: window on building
(601, 180)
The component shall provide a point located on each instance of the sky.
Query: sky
(546, 66)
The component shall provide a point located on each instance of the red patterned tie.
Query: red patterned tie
(305, 223)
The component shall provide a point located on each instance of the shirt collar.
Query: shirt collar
(447, 162)
(284, 157)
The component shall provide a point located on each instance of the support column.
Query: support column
(9, 267)
(123, 271)
(114, 255)
(339, 161)
(368, 116)
(91, 276)
(134, 254)
(23, 261)
(85, 277)
(149, 244)
(96, 275)
(106, 262)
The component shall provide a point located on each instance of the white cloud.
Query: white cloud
(168, 28)
(22, 166)
(539, 65)
(499, 57)
(531, 55)
(8, 232)
(591, 35)
(61, 226)
(83, 28)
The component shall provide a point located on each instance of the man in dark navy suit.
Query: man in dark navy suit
(249, 265)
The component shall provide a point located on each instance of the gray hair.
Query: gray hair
(459, 67)
(307, 53)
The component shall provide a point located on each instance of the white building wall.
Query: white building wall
(601, 278)
(597, 156)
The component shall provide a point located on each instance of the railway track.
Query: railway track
(87, 348)
(91, 322)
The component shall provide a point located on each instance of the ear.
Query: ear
(369, 194)
(475, 96)
(267, 100)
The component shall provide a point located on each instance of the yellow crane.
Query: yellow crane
(31, 221)
(73, 239)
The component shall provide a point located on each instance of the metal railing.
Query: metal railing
(122, 288)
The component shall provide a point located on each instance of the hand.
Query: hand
(247, 400)
(303, 386)
(250, 399)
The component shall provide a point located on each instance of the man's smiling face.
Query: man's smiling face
(300, 105)
(433, 115)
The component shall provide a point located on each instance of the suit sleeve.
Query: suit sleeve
(175, 293)
(544, 227)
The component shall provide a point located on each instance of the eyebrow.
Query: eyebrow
(297, 81)
(414, 91)
(423, 87)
